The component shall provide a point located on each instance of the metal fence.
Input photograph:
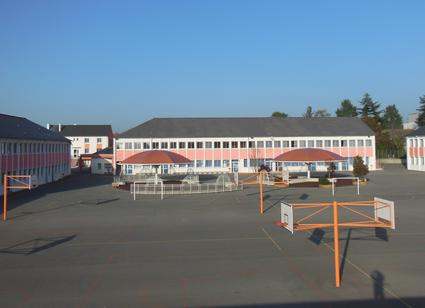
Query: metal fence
(181, 189)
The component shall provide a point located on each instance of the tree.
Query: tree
(308, 113)
(392, 118)
(320, 113)
(370, 108)
(421, 118)
(359, 168)
(347, 109)
(278, 114)
(331, 169)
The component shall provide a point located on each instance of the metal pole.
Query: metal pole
(333, 187)
(162, 191)
(5, 198)
(358, 186)
(261, 194)
(134, 191)
(336, 246)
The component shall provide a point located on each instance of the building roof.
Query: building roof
(156, 157)
(309, 155)
(418, 132)
(83, 130)
(248, 127)
(13, 127)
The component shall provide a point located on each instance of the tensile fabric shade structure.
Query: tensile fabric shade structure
(156, 157)
(309, 155)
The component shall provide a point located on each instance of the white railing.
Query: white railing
(181, 189)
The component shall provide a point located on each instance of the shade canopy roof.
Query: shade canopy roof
(309, 155)
(156, 157)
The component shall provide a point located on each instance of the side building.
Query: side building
(243, 144)
(27, 148)
(415, 149)
(85, 139)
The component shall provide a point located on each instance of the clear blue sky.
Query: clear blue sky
(124, 62)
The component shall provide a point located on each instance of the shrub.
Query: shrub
(324, 181)
(359, 168)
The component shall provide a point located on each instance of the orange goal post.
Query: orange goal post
(16, 182)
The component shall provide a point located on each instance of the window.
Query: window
(352, 143)
(99, 140)
(335, 143)
(269, 144)
(277, 144)
(242, 144)
(191, 145)
(182, 145)
(421, 143)
(319, 143)
(422, 161)
(155, 145)
(360, 143)
(86, 140)
(245, 163)
(225, 144)
(99, 166)
(173, 145)
(368, 142)
(226, 163)
(119, 145)
(251, 144)
(293, 143)
(128, 145)
(137, 145)
(344, 144)
(285, 144)
(310, 143)
(199, 145)
(208, 163)
(217, 163)
(164, 145)
(146, 146)
(327, 143)
(199, 163)
(216, 145)
(302, 143)
(260, 144)
(86, 151)
(208, 144)
(234, 144)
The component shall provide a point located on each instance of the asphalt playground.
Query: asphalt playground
(81, 243)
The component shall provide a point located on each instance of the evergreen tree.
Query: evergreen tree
(279, 114)
(370, 108)
(359, 168)
(421, 118)
(308, 113)
(392, 118)
(347, 109)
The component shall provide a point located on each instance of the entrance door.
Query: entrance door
(235, 165)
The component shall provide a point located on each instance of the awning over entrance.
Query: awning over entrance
(309, 156)
(156, 157)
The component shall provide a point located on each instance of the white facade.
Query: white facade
(87, 145)
(415, 153)
(101, 165)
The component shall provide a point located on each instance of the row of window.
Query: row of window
(87, 139)
(38, 172)
(7, 148)
(418, 161)
(245, 144)
(415, 143)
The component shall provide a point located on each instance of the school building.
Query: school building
(243, 144)
(27, 148)
(415, 149)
